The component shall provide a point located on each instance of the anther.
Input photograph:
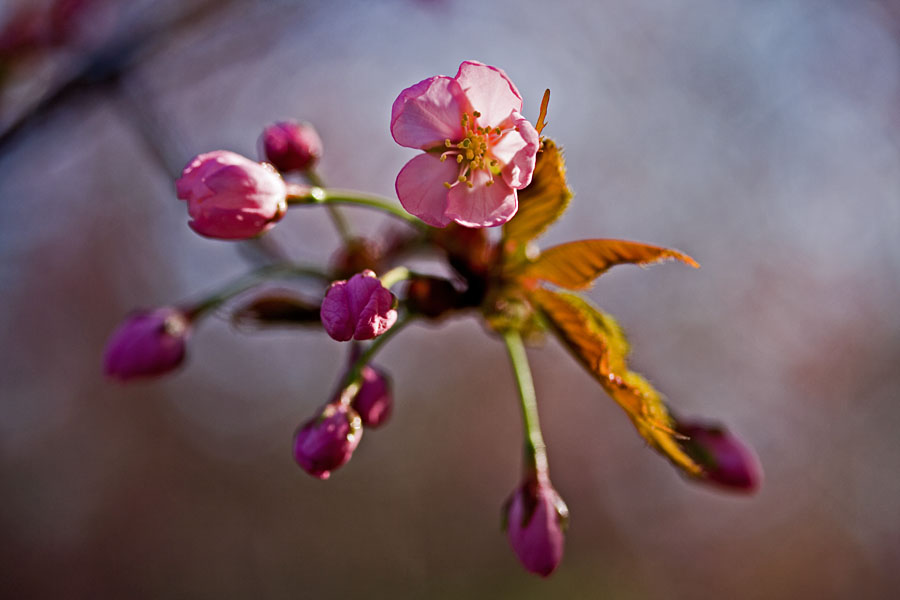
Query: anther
(476, 113)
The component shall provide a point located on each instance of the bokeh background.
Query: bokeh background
(760, 137)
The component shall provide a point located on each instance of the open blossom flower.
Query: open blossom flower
(726, 461)
(327, 441)
(291, 146)
(479, 149)
(535, 519)
(147, 344)
(360, 308)
(231, 197)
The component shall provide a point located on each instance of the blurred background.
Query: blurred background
(759, 137)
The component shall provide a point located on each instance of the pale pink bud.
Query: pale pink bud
(231, 197)
(148, 343)
(373, 401)
(359, 308)
(291, 146)
(535, 518)
(328, 440)
(725, 460)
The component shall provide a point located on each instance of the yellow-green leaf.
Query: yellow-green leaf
(544, 200)
(597, 342)
(575, 265)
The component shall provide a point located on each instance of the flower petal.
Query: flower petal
(336, 312)
(426, 114)
(229, 224)
(420, 188)
(489, 91)
(482, 205)
(517, 150)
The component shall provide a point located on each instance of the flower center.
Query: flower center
(473, 152)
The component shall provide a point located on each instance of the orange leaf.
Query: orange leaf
(575, 265)
(598, 343)
(543, 201)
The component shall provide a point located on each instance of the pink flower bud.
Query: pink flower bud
(535, 517)
(149, 343)
(359, 308)
(373, 401)
(726, 461)
(291, 146)
(231, 197)
(328, 440)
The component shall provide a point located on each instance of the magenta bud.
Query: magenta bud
(149, 343)
(374, 401)
(535, 517)
(291, 146)
(231, 197)
(327, 441)
(725, 460)
(360, 308)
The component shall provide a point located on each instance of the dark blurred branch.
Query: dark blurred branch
(107, 65)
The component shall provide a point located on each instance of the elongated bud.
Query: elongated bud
(374, 401)
(726, 461)
(277, 308)
(328, 440)
(535, 517)
(291, 146)
(360, 308)
(147, 344)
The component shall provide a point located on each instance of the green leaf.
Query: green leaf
(575, 265)
(543, 201)
(598, 343)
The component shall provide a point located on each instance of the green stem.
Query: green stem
(395, 276)
(328, 196)
(340, 222)
(353, 378)
(250, 280)
(535, 450)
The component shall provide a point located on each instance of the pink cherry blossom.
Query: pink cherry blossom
(479, 149)
(231, 197)
(360, 308)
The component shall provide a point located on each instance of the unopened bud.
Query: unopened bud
(360, 308)
(535, 517)
(725, 460)
(327, 441)
(291, 146)
(149, 343)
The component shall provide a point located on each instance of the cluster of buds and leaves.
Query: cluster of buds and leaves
(483, 165)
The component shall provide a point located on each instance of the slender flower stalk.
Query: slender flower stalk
(300, 195)
(251, 279)
(395, 276)
(353, 379)
(535, 449)
(337, 217)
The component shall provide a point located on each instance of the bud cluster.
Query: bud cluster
(501, 173)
